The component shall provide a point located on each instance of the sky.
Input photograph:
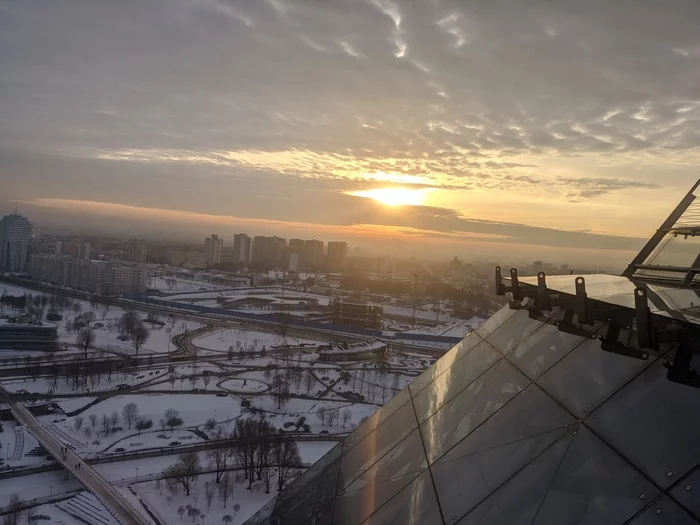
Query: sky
(565, 129)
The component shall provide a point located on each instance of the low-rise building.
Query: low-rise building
(99, 277)
(15, 334)
(372, 349)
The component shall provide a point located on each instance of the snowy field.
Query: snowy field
(248, 340)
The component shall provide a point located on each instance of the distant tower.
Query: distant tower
(213, 246)
(15, 234)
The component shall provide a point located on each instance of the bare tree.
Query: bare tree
(227, 519)
(321, 415)
(172, 418)
(139, 335)
(172, 380)
(85, 339)
(280, 389)
(88, 432)
(181, 511)
(309, 380)
(208, 494)
(78, 422)
(105, 424)
(206, 379)
(193, 513)
(285, 455)
(14, 510)
(347, 416)
(185, 470)
(93, 419)
(30, 515)
(114, 420)
(219, 457)
(225, 487)
(158, 483)
(236, 508)
(130, 413)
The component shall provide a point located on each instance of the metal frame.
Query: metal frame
(635, 333)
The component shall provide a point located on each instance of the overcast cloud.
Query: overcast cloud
(561, 115)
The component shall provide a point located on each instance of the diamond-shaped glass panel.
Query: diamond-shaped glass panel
(541, 350)
(655, 423)
(687, 492)
(471, 407)
(516, 329)
(414, 505)
(588, 375)
(380, 482)
(475, 363)
(385, 438)
(495, 321)
(504, 443)
(663, 511)
(446, 361)
(377, 419)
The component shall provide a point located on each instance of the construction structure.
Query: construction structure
(353, 313)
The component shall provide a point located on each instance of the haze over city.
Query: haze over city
(446, 127)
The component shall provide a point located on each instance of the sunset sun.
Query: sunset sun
(394, 196)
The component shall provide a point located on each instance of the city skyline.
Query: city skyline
(498, 128)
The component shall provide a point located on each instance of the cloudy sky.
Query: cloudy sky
(464, 126)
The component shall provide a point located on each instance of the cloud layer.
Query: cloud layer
(557, 115)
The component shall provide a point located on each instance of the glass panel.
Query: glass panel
(495, 321)
(675, 251)
(516, 502)
(376, 419)
(543, 349)
(445, 362)
(454, 380)
(513, 436)
(593, 485)
(687, 492)
(655, 423)
(383, 480)
(371, 449)
(414, 505)
(471, 407)
(517, 329)
(310, 493)
(577, 481)
(663, 512)
(587, 376)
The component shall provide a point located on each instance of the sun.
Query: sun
(394, 196)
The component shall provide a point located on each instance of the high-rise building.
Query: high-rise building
(53, 247)
(337, 256)
(269, 251)
(213, 246)
(70, 249)
(293, 262)
(15, 235)
(137, 250)
(242, 245)
(312, 254)
(296, 245)
(84, 250)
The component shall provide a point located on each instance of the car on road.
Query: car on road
(221, 394)
(162, 436)
(323, 432)
(122, 386)
(120, 449)
(173, 443)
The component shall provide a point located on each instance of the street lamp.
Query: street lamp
(50, 491)
(137, 474)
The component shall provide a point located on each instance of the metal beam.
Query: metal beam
(655, 239)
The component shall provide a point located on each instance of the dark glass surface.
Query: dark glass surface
(655, 423)
(516, 329)
(471, 407)
(687, 491)
(587, 376)
(481, 360)
(503, 444)
(664, 511)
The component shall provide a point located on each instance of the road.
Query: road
(113, 500)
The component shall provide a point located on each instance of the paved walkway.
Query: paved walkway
(113, 500)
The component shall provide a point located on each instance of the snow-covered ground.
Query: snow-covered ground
(238, 339)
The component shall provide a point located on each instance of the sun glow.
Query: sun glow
(394, 196)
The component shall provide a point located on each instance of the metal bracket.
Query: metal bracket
(567, 325)
(515, 284)
(543, 300)
(581, 302)
(643, 316)
(611, 343)
(679, 371)
(500, 288)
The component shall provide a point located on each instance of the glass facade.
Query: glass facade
(518, 424)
